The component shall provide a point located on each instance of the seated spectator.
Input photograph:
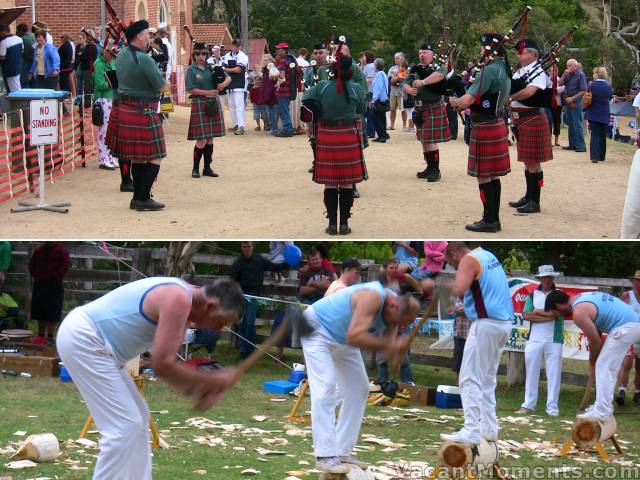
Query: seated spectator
(407, 254)
(433, 260)
(11, 58)
(315, 279)
(350, 276)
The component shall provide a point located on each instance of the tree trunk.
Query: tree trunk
(179, 258)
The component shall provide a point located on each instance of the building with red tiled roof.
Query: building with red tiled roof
(212, 33)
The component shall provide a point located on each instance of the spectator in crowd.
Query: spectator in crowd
(11, 57)
(160, 54)
(369, 72)
(42, 26)
(216, 60)
(81, 41)
(48, 265)
(67, 53)
(407, 254)
(632, 298)
(397, 74)
(303, 64)
(259, 110)
(28, 45)
(575, 83)
(88, 57)
(163, 35)
(287, 90)
(598, 114)
(433, 260)
(103, 95)
(324, 253)
(460, 332)
(46, 63)
(554, 115)
(248, 270)
(350, 276)
(5, 259)
(268, 97)
(235, 63)
(276, 255)
(380, 101)
(546, 336)
(315, 279)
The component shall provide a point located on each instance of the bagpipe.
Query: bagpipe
(115, 28)
(192, 40)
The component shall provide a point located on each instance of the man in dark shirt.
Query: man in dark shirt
(315, 279)
(11, 57)
(28, 41)
(575, 86)
(248, 270)
(66, 52)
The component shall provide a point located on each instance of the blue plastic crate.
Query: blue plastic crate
(296, 377)
(281, 387)
(448, 397)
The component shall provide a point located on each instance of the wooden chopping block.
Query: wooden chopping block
(43, 447)
(456, 455)
(587, 432)
(356, 473)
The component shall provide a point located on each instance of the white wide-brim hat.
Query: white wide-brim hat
(547, 271)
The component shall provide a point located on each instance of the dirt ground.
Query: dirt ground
(264, 192)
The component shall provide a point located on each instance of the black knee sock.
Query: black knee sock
(150, 174)
(435, 156)
(125, 171)
(346, 202)
(208, 155)
(527, 180)
(137, 172)
(537, 180)
(428, 157)
(487, 198)
(197, 155)
(331, 204)
(497, 192)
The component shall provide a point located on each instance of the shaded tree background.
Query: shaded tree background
(608, 29)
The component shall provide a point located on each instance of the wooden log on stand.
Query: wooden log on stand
(587, 432)
(460, 455)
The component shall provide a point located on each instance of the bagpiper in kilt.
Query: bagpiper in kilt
(204, 84)
(135, 132)
(338, 151)
(430, 113)
(528, 101)
(489, 145)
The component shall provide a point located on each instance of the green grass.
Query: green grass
(59, 410)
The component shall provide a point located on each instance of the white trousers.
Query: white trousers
(104, 154)
(608, 364)
(534, 354)
(13, 83)
(118, 410)
(295, 106)
(236, 107)
(478, 376)
(331, 367)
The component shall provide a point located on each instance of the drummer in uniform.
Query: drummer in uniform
(204, 84)
(337, 105)
(135, 131)
(489, 144)
(430, 114)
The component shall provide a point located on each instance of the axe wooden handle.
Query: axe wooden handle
(259, 352)
(587, 392)
(395, 362)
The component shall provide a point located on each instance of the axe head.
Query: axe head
(296, 320)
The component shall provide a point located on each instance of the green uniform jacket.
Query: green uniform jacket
(357, 76)
(322, 73)
(140, 78)
(200, 78)
(424, 93)
(334, 105)
(101, 87)
(494, 80)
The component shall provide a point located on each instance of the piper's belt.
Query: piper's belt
(338, 123)
(477, 117)
(142, 100)
(423, 103)
(518, 113)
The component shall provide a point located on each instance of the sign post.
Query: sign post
(44, 125)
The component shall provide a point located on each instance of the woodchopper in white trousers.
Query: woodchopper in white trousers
(236, 107)
(478, 373)
(118, 410)
(607, 366)
(331, 365)
(533, 356)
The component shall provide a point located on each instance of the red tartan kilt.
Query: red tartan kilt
(534, 139)
(112, 127)
(202, 126)
(339, 159)
(435, 128)
(489, 150)
(136, 135)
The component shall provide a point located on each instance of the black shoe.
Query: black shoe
(232, 129)
(195, 173)
(356, 193)
(530, 207)
(580, 150)
(310, 170)
(424, 173)
(126, 187)
(147, 205)
(636, 398)
(106, 167)
(239, 131)
(620, 397)
(569, 148)
(499, 226)
(207, 172)
(434, 175)
(345, 230)
(332, 230)
(133, 204)
(482, 226)
(520, 203)
(380, 140)
(284, 134)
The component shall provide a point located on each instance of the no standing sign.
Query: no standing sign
(44, 122)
